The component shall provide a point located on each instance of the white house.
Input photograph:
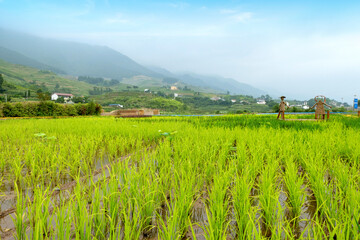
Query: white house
(215, 98)
(116, 105)
(66, 96)
(261, 101)
(233, 100)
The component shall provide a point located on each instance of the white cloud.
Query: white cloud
(180, 5)
(227, 11)
(118, 18)
(242, 17)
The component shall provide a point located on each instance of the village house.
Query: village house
(116, 105)
(66, 96)
(136, 112)
(173, 88)
(261, 101)
(215, 98)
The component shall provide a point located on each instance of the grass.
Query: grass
(22, 77)
(219, 177)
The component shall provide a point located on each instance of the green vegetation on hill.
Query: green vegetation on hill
(98, 81)
(139, 100)
(20, 78)
(215, 83)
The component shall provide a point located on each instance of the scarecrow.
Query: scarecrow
(282, 107)
(320, 110)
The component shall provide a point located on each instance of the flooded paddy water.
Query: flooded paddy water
(222, 177)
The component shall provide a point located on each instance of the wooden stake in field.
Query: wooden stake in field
(282, 107)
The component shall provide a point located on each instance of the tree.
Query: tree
(91, 108)
(60, 100)
(1, 83)
(170, 80)
(113, 82)
(276, 108)
(165, 104)
(78, 99)
(43, 96)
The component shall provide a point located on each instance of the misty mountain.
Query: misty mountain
(17, 58)
(73, 58)
(81, 59)
(214, 82)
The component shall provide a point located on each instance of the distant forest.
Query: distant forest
(98, 81)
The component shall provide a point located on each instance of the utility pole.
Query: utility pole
(5, 98)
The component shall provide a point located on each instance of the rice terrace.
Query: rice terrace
(222, 177)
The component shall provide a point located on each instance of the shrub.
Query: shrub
(48, 108)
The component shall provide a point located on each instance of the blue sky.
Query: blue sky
(297, 48)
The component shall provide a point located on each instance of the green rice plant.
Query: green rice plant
(268, 198)
(217, 207)
(248, 150)
(132, 220)
(179, 207)
(148, 192)
(295, 191)
(98, 214)
(242, 203)
(82, 220)
(19, 220)
(63, 222)
(41, 226)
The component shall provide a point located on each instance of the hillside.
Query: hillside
(212, 82)
(73, 58)
(17, 58)
(19, 78)
(78, 59)
(158, 84)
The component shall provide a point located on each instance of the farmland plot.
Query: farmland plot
(230, 177)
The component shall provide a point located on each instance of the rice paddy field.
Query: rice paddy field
(225, 177)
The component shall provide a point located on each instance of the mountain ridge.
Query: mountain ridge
(81, 59)
(72, 57)
(214, 82)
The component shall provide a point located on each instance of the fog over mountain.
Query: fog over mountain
(91, 60)
(215, 82)
(17, 58)
(71, 57)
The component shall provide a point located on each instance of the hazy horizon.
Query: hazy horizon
(298, 49)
